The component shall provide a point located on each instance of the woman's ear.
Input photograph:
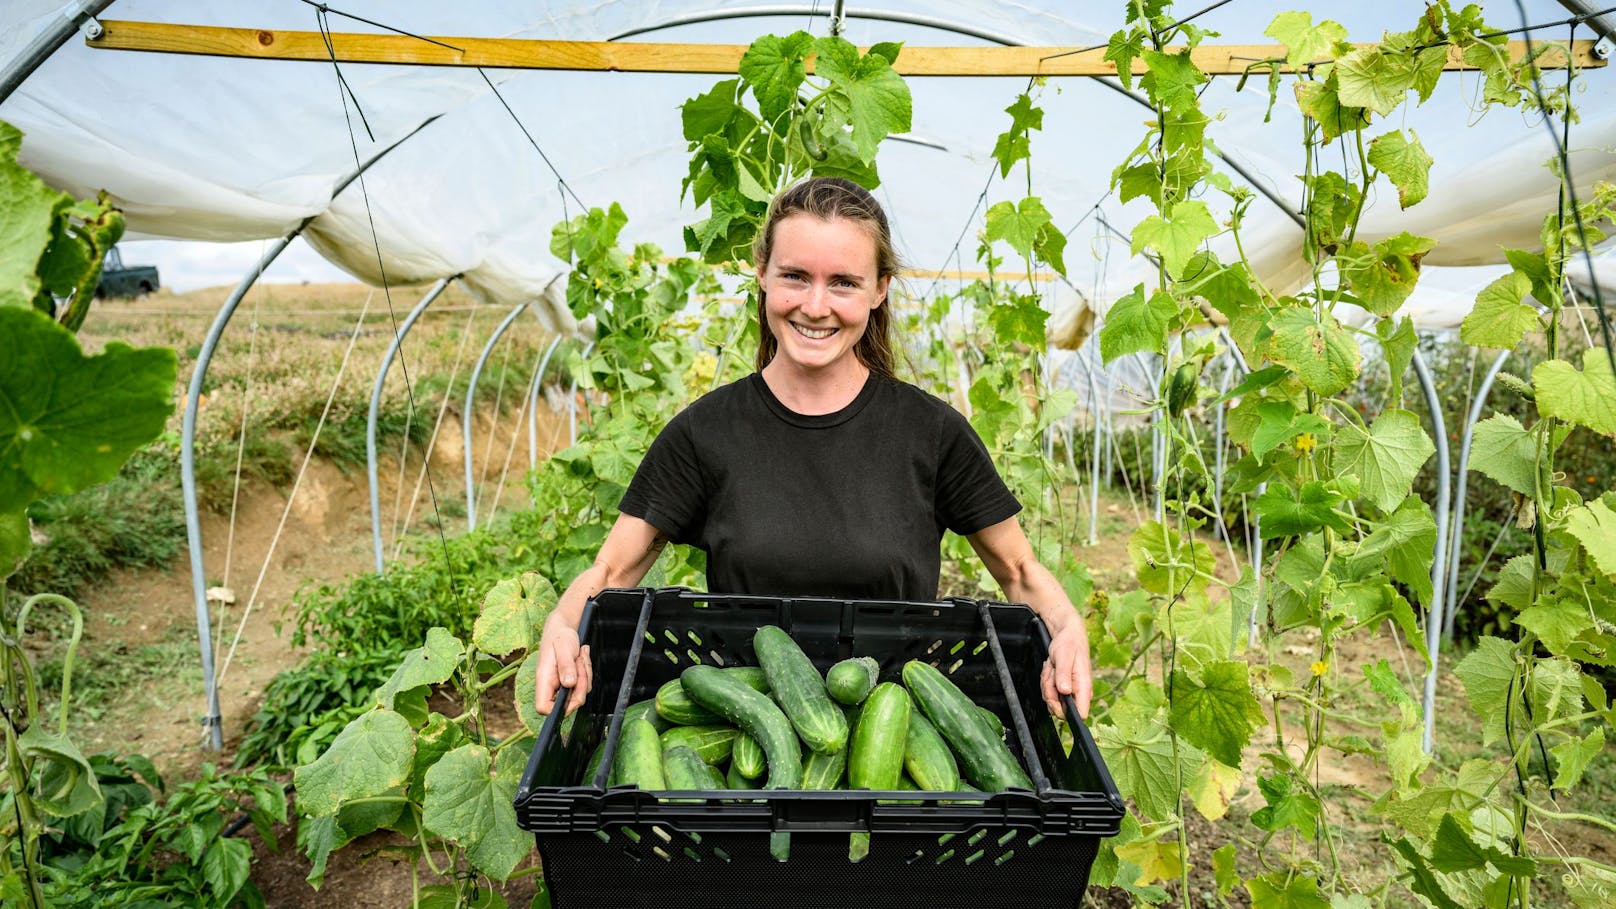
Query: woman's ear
(881, 288)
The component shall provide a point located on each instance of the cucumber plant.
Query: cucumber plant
(70, 422)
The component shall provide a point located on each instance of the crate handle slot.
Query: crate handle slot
(1035, 767)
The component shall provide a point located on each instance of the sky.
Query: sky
(186, 265)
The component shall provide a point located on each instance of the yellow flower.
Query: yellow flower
(1319, 666)
(1305, 442)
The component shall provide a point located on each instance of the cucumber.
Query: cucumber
(823, 771)
(905, 784)
(675, 707)
(993, 720)
(594, 764)
(747, 757)
(800, 690)
(851, 681)
(750, 709)
(685, 769)
(713, 743)
(875, 757)
(734, 780)
(639, 756)
(926, 757)
(646, 710)
(988, 761)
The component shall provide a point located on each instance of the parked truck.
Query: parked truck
(119, 280)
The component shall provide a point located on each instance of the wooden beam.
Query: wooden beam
(640, 57)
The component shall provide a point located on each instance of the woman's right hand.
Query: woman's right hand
(562, 664)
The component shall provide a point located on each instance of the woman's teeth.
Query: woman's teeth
(814, 333)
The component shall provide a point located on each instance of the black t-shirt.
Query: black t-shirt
(846, 504)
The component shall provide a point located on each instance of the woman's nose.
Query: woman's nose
(815, 302)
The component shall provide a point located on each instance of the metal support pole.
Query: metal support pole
(193, 522)
(74, 17)
(375, 411)
(1439, 568)
(1457, 534)
(533, 405)
(212, 721)
(471, 395)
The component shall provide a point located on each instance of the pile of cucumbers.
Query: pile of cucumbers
(781, 725)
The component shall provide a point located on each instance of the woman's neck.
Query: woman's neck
(814, 392)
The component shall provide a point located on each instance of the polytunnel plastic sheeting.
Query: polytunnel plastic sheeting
(232, 149)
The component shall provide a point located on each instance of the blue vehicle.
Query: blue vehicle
(119, 280)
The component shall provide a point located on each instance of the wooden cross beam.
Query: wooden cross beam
(640, 57)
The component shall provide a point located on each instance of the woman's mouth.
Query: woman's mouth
(814, 334)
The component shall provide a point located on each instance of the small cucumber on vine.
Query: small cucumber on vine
(1181, 390)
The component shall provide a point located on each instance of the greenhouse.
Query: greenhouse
(1204, 499)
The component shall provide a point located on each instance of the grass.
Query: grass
(105, 675)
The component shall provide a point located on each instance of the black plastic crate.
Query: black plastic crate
(628, 847)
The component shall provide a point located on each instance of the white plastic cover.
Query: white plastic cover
(226, 149)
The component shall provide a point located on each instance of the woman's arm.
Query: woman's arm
(1008, 555)
(630, 549)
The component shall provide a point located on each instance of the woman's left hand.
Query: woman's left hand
(1067, 669)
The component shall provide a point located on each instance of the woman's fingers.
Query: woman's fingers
(585, 675)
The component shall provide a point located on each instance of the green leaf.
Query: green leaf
(1017, 224)
(1386, 458)
(1424, 881)
(1288, 805)
(1557, 623)
(1501, 318)
(1122, 49)
(1332, 209)
(1134, 324)
(1594, 526)
(16, 541)
(225, 867)
(1514, 585)
(1277, 890)
(702, 116)
(1404, 543)
(1405, 163)
(774, 67)
(1453, 850)
(1223, 869)
(430, 664)
(1486, 673)
(1586, 398)
(1280, 422)
(1386, 684)
(1374, 79)
(1321, 353)
(1572, 758)
(1013, 144)
(10, 141)
(1304, 42)
(1383, 276)
(1429, 64)
(468, 802)
(1504, 451)
(370, 757)
(1397, 346)
(68, 421)
(513, 614)
(877, 101)
(1172, 79)
(527, 691)
(318, 837)
(1321, 101)
(65, 784)
(1176, 237)
(1216, 712)
(1166, 563)
(1019, 319)
(1291, 513)
(1536, 268)
(27, 208)
(1142, 766)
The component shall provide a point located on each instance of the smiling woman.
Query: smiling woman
(820, 474)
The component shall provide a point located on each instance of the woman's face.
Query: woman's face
(821, 283)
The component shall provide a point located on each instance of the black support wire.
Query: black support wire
(409, 387)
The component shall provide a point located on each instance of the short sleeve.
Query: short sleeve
(668, 491)
(970, 494)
